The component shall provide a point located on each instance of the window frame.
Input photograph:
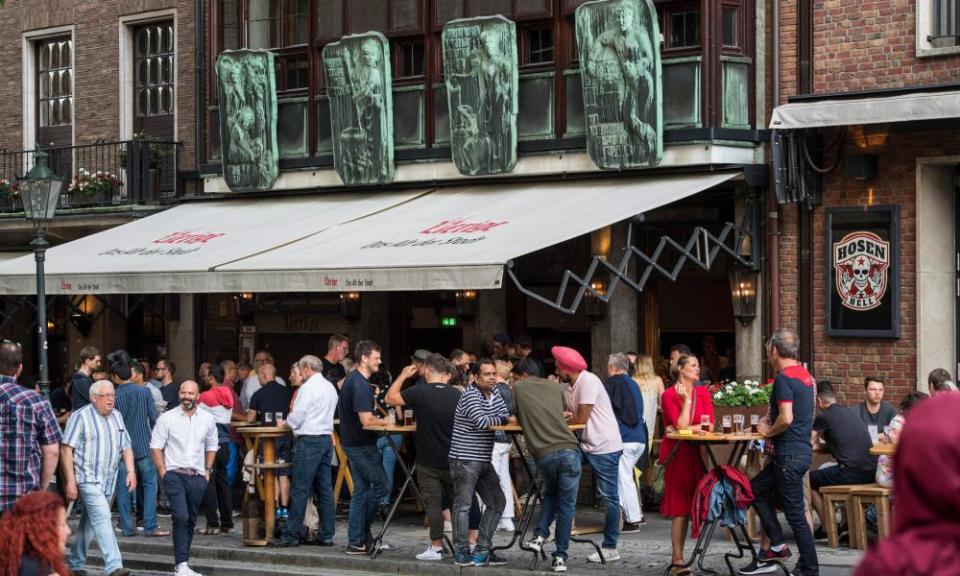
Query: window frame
(926, 45)
(52, 134)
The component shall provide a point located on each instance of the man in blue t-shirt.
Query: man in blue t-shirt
(369, 480)
(791, 414)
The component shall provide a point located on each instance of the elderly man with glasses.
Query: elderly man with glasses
(93, 442)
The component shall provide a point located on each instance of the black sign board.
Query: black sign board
(863, 272)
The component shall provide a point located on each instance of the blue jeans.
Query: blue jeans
(369, 485)
(784, 477)
(310, 472)
(606, 470)
(472, 477)
(95, 522)
(559, 473)
(389, 459)
(127, 502)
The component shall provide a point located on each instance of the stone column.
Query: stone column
(491, 319)
(618, 330)
(182, 334)
(749, 339)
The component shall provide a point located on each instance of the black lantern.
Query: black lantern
(40, 191)
(743, 290)
(593, 305)
(350, 305)
(466, 303)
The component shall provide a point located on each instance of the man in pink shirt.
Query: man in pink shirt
(587, 401)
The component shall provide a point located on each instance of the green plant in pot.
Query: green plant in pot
(159, 151)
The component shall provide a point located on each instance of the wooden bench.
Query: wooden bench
(833, 495)
(861, 497)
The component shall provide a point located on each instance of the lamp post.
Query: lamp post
(743, 290)
(40, 190)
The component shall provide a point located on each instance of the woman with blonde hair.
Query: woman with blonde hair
(651, 388)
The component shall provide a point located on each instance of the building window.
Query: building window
(408, 59)
(263, 24)
(946, 19)
(682, 27)
(55, 79)
(153, 61)
(730, 26)
(230, 25)
(538, 47)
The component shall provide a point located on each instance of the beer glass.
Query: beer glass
(408, 417)
(704, 423)
(268, 418)
(727, 424)
(738, 423)
(755, 423)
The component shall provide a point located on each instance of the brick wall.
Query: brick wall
(864, 45)
(96, 47)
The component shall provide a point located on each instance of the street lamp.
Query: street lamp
(40, 191)
(743, 290)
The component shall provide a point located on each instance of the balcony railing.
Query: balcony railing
(100, 175)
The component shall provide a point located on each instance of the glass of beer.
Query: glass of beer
(391, 418)
(755, 423)
(727, 424)
(738, 423)
(268, 418)
(408, 417)
(704, 423)
(277, 417)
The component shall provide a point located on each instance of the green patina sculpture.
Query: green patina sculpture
(480, 66)
(621, 76)
(246, 83)
(358, 80)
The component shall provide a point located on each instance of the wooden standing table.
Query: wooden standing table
(530, 501)
(883, 449)
(740, 443)
(264, 438)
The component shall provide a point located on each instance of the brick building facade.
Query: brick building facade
(868, 47)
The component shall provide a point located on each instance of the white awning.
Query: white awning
(177, 250)
(452, 238)
(913, 107)
(461, 237)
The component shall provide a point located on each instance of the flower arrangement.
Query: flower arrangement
(9, 190)
(99, 183)
(750, 393)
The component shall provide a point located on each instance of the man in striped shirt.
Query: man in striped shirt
(90, 454)
(471, 449)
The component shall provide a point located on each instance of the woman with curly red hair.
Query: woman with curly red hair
(33, 536)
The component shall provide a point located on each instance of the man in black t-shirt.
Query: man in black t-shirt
(337, 348)
(274, 398)
(82, 380)
(357, 409)
(874, 410)
(791, 414)
(848, 442)
(435, 404)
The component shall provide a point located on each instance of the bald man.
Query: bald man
(274, 398)
(183, 447)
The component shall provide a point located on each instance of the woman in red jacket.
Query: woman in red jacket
(684, 404)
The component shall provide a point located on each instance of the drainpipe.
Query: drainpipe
(199, 86)
(773, 209)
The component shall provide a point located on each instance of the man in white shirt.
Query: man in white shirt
(312, 423)
(184, 446)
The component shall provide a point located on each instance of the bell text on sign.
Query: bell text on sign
(862, 262)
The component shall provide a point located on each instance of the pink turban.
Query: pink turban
(568, 359)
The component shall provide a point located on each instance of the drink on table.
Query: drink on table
(738, 423)
(704, 424)
(277, 417)
(408, 417)
(268, 418)
(755, 423)
(727, 424)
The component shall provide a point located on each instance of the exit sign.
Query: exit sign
(448, 321)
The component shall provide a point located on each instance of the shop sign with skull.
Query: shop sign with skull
(862, 262)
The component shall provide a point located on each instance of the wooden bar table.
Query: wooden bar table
(740, 443)
(530, 500)
(264, 439)
(883, 449)
(343, 468)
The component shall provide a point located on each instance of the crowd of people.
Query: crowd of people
(156, 443)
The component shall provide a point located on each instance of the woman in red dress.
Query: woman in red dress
(683, 404)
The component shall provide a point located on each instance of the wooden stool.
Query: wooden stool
(863, 496)
(833, 495)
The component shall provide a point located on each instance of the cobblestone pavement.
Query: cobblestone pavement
(646, 553)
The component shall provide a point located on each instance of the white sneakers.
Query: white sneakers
(183, 570)
(431, 553)
(609, 554)
(506, 525)
(558, 564)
